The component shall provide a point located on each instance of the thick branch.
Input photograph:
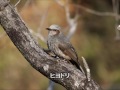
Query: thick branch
(36, 56)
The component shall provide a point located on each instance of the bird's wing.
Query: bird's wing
(68, 50)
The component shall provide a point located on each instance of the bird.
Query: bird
(60, 45)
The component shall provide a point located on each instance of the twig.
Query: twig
(96, 12)
(17, 3)
(72, 22)
(73, 26)
(93, 11)
(87, 69)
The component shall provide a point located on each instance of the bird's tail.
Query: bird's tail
(80, 67)
(77, 64)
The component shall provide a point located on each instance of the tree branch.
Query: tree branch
(87, 69)
(72, 22)
(36, 56)
(91, 11)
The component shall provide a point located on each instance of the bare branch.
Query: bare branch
(91, 11)
(72, 22)
(17, 3)
(73, 26)
(87, 69)
(67, 14)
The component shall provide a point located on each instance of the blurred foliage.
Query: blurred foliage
(94, 39)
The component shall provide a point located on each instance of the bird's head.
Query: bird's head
(54, 29)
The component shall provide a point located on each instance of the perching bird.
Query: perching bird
(59, 44)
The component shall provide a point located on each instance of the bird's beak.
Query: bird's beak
(48, 29)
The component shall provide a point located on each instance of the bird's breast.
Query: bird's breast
(53, 46)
